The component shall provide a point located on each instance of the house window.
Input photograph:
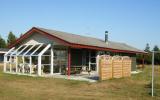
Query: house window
(60, 60)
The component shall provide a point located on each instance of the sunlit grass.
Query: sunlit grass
(137, 87)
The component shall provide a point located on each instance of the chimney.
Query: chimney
(106, 36)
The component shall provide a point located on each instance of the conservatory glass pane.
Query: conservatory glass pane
(20, 51)
(39, 50)
(32, 50)
(25, 50)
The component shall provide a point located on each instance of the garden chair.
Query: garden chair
(20, 67)
(27, 68)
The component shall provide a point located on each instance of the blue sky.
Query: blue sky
(135, 22)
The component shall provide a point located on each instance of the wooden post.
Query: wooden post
(39, 65)
(143, 62)
(30, 64)
(52, 60)
(10, 64)
(23, 65)
(5, 62)
(69, 61)
(16, 64)
(89, 60)
(97, 63)
(122, 66)
(112, 67)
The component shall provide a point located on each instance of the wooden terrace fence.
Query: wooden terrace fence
(114, 67)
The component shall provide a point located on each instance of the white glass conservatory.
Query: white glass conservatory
(41, 59)
(30, 59)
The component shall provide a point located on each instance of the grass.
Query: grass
(137, 87)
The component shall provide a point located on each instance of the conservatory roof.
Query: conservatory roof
(28, 50)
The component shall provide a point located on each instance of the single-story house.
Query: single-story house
(2, 52)
(48, 51)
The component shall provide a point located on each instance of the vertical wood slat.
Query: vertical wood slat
(126, 66)
(105, 67)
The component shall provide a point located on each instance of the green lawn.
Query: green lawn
(137, 87)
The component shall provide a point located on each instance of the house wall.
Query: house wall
(37, 38)
(76, 54)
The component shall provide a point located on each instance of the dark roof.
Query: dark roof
(4, 49)
(90, 41)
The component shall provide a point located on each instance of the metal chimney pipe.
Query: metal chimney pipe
(106, 36)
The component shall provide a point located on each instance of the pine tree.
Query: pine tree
(2, 43)
(11, 38)
(147, 49)
(156, 48)
(157, 55)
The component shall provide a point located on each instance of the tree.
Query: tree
(156, 48)
(2, 43)
(11, 38)
(147, 49)
(157, 55)
(147, 57)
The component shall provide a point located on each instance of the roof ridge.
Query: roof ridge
(91, 41)
(69, 33)
(78, 35)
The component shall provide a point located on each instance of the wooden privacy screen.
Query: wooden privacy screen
(114, 67)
